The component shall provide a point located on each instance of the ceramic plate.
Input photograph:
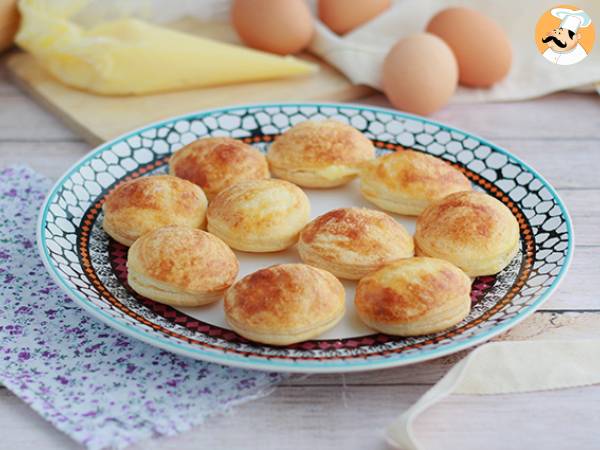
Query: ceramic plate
(92, 268)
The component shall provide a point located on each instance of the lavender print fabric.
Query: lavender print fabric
(100, 387)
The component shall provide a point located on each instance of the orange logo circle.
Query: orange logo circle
(565, 35)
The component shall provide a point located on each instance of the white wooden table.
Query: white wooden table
(558, 135)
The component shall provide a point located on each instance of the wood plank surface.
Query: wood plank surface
(354, 418)
(540, 118)
(351, 411)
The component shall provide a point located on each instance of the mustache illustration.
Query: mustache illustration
(555, 40)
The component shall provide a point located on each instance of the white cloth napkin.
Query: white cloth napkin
(502, 368)
(359, 55)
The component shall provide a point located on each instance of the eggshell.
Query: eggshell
(277, 26)
(342, 16)
(481, 47)
(420, 74)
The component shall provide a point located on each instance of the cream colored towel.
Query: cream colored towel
(359, 55)
(506, 367)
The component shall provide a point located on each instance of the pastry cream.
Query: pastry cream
(130, 56)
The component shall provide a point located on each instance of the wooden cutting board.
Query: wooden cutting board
(100, 118)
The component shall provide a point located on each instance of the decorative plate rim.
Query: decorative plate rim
(251, 362)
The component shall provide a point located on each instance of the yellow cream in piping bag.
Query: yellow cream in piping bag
(131, 56)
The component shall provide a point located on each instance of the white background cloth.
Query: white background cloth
(360, 54)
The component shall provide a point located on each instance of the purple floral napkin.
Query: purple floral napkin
(100, 387)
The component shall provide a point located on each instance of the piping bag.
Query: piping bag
(130, 56)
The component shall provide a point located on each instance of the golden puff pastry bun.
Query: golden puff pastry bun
(414, 296)
(472, 230)
(285, 304)
(353, 242)
(406, 182)
(181, 266)
(319, 154)
(145, 204)
(260, 215)
(215, 163)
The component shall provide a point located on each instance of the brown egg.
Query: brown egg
(420, 74)
(342, 16)
(9, 22)
(277, 26)
(481, 47)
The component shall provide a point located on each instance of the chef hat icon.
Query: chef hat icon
(571, 19)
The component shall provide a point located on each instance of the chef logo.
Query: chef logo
(565, 35)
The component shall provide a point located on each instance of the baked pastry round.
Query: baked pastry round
(406, 182)
(353, 242)
(260, 215)
(285, 304)
(472, 230)
(215, 163)
(319, 154)
(414, 296)
(145, 204)
(181, 266)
